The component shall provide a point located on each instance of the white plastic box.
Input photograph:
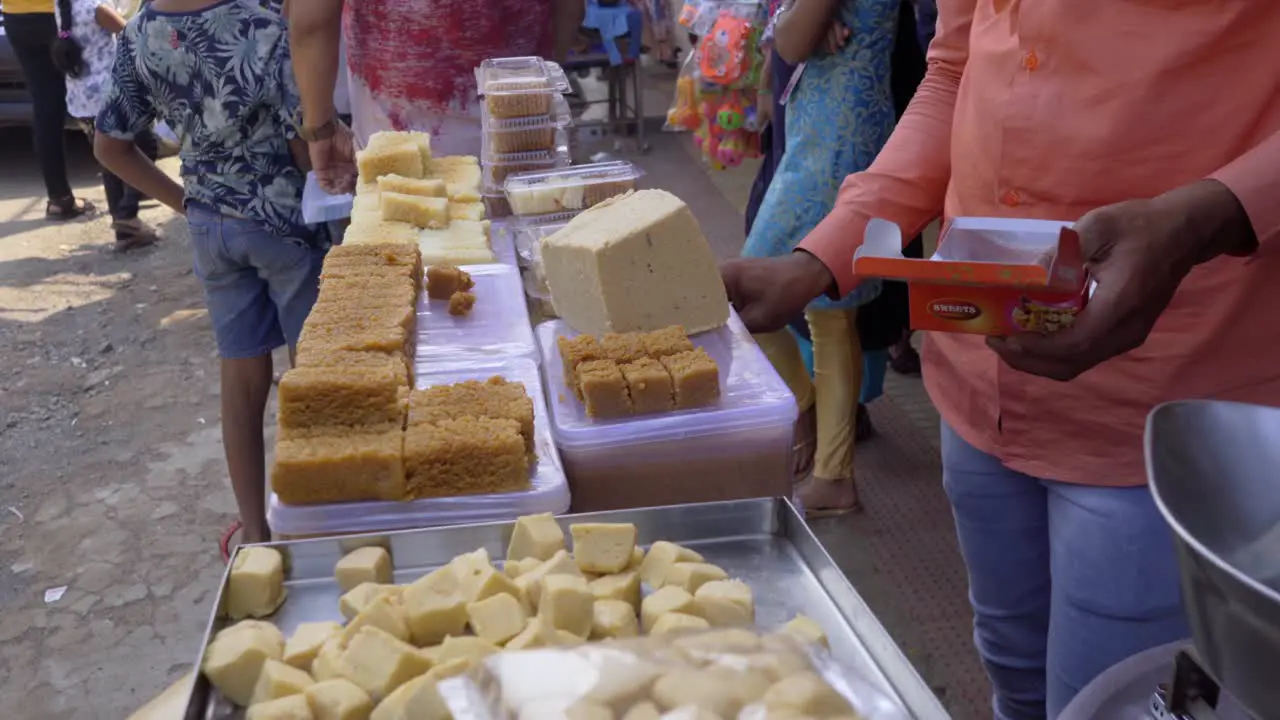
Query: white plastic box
(549, 491)
(738, 448)
(497, 326)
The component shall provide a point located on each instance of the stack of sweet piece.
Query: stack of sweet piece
(342, 408)
(522, 115)
(405, 194)
(621, 374)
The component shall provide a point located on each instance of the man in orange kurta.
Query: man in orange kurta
(1156, 126)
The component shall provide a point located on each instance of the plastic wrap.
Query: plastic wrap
(719, 674)
(319, 206)
(497, 326)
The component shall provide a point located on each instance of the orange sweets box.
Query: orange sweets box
(990, 276)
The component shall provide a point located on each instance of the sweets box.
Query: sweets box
(989, 276)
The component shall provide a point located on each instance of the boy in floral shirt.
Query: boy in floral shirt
(219, 73)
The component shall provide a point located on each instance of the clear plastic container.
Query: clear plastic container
(497, 325)
(528, 240)
(496, 167)
(572, 188)
(526, 134)
(737, 448)
(549, 491)
(520, 86)
(496, 205)
(319, 206)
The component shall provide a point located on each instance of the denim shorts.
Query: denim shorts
(258, 286)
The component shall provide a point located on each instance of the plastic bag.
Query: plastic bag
(730, 674)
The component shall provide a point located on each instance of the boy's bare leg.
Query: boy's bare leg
(246, 384)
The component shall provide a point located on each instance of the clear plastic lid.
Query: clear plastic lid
(497, 325)
(572, 188)
(496, 167)
(516, 75)
(319, 206)
(752, 395)
(528, 237)
(559, 117)
(549, 491)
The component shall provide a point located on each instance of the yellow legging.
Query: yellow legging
(834, 388)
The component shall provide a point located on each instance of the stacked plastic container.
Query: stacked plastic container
(524, 118)
(738, 448)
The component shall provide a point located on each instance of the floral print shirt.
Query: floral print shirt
(222, 79)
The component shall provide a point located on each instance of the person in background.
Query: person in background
(32, 29)
(1171, 173)
(242, 172)
(839, 114)
(412, 66)
(85, 51)
(883, 323)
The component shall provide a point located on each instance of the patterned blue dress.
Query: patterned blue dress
(839, 115)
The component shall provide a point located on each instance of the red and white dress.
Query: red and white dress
(412, 62)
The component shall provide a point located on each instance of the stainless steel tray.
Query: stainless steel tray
(763, 542)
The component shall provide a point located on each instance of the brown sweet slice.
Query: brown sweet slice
(460, 303)
(695, 376)
(312, 397)
(650, 386)
(326, 356)
(623, 347)
(494, 398)
(667, 341)
(574, 352)
(465, 456)
(341, 467)
(445, 280)
(604, 389)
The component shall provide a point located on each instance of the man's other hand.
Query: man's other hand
(769, 292)
(1138, 252)
(334, 161)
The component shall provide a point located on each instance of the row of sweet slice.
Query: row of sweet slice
(623, 374)
(457, 439)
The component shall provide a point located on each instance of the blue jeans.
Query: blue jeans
(259, 287)
(1065, 580)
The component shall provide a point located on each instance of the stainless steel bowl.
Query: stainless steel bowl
(1214, 469)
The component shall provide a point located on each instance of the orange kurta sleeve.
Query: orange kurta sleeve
(1254, 177)
(908, 180)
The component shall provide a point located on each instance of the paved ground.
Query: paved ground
(112, 488)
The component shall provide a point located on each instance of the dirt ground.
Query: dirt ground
(112, 484)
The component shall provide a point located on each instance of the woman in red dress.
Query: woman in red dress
(411, 66)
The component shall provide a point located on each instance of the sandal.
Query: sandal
(68, 208)
(814, 512)
(806, 444)
(133, 234)
(862, 427)
(224, 543)
(905, 362)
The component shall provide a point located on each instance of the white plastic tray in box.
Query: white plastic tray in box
(747, 433)
(319, 206)
(549, 491)
(498, 324)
